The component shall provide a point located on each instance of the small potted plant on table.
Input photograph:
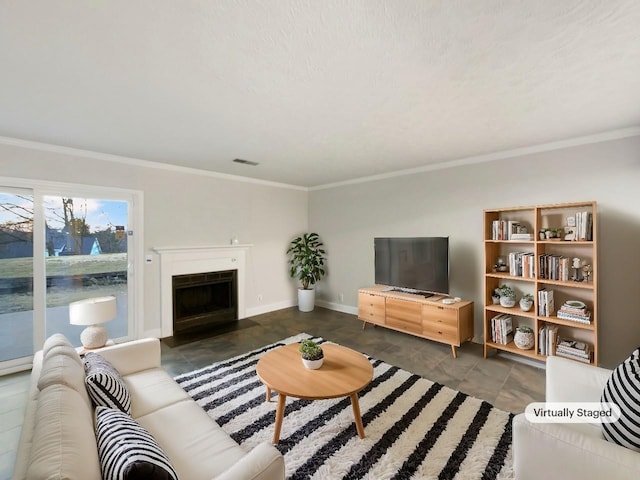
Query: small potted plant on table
(312, 355)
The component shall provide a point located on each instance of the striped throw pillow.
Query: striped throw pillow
(127, 450)
(104, 384)
(623, 389)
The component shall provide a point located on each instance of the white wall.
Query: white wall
(196, 209)
(450, 202)
(182, 209)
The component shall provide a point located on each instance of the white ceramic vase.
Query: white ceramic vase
(523, 340)
(526, 305)
(313, 364)
(507, 302)
(306, 299)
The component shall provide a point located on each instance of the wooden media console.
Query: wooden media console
(416, 315)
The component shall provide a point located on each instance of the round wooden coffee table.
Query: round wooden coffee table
(344, 373)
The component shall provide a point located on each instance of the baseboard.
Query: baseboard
(272, 307)
(524, 360)
(15, 366)
(338, 307)
(153, 333)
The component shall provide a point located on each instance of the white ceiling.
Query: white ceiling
(317, 92)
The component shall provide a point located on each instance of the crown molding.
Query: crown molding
(47, 147)
(490, 157)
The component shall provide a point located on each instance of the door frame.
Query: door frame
(135, 254)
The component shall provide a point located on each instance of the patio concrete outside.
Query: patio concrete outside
(16, 329)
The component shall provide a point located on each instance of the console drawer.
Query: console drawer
(440, 332)
(404, 315)
(439, 315)
(371, 308)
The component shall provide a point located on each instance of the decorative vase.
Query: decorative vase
(306, 299)
(523, 340)
(507, 302)
(313, 364)
(525, 305)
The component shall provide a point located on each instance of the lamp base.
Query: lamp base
(94, 336)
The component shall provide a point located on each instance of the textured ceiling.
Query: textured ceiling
(316, 91)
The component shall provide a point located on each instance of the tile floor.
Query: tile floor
(507, 384)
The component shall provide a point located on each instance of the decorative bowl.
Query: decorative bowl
(523, 340)
(507, 302)
(525, 305)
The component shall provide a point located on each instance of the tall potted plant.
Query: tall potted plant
(306, 260)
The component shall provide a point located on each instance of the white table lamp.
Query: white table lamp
(93, 312)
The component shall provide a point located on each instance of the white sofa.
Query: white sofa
(58, 438)
(570, 450)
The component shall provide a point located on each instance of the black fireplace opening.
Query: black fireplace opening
(203, 301)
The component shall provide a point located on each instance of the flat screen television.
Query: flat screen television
(418, 263)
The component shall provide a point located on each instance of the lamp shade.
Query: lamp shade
(92, 311)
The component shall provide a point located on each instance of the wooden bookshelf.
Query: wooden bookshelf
(497, 244)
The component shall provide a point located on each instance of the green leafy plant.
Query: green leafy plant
(506, 291)
(306, 259)
(310, 350)
(525, 329)
(527, 297)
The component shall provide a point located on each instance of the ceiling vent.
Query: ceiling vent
(245, 162)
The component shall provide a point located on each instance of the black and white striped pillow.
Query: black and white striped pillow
(623, 389)
(104, 384)
(127, 450)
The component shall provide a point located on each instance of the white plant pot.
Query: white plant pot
(306, 299)
(525, 305)
(507, 302)
(523, 340)
(313, 364)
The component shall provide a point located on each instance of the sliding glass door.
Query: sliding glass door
(58, 245)
(86, 256)
(16, 274)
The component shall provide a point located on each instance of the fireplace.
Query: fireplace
(206, 259)
(204, 300)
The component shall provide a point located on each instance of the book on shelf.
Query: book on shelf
(502, 329)
(579, 358)
(584, 226)
(547, 339)
(574, 350)
(521, 264)
(546, 306)
(568, 311)
(554, 267)
(522, 236)
(509, 230)
(573, 317)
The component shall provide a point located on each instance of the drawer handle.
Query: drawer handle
(441, 308)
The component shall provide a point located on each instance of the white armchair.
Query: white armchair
(570, 450)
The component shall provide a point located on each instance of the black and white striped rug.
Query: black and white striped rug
(414, 428)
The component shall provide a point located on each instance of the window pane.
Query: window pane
(86, 257)
(16, 276)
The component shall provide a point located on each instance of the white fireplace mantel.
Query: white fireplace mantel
(197, 259)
